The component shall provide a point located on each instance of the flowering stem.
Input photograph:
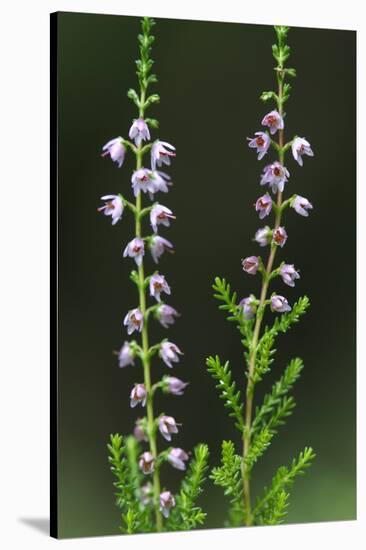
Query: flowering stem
(145, 355)
(266, 277)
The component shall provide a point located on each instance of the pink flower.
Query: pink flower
(301, 205)
(249, 306)
(169, 353)
(158, 285)
(113, 207)
(166, 315)
(135, 249)
(274, 121)
(177, 457)
(146, 463)
(263, 206)
(161, 153)
(279, 236)
(138, 395)
(140, 430)
(276, 176)
(175, 386)
(261, 143)
(167, 426)
(134, 320)
(167, 502)
(251, 264)
(279, 304)
(300, 146)
(139, 131)
(263, 236)
(160, 215)
(116, 150)
(289, 274)
(142, 180)
(158, 245)
(126, 356)
(147, 494)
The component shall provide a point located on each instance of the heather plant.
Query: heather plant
(145, 503)
(258, 427)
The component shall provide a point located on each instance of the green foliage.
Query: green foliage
(133, 517)
(228, 476)
(260, 443)
(265, 351)
(227, 389)
(235, 314)
(277, 405)
(272, 506)
(186, 514)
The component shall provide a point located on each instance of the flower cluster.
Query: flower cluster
(276, 176)
(148, 179)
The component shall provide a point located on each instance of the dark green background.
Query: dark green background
(210, 78)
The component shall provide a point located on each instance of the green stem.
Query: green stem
(145, 356)
(248, 518)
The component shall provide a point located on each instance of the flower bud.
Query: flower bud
(116, 150)
(289, 274)
(126, 356)
(263, 206)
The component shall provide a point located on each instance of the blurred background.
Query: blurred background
(210, 78)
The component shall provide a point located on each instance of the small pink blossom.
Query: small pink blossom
(166, 315)
(135, 249)
(160, 215)
(146, 463)
(261, 143)
(138, 395)
(169, 353)
(251, 264)
(167, 502)
(263, 236)
(177, 457)
(174, 385)
(134, 320)
(161, 153)
(279, 304)
(300, 146)
(301, 205)
(158, 285)
(116, 150)
(289, 274)
(158, 245)
(126, 356)
(113, 207)
(249, 306)
(139, 131)
(276, 176)
(274, 121)
(264, 206)
(279, 236)
(167, 427)
(142, 180)
(140, 430)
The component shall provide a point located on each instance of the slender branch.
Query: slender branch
(266, 277)
(145, 343)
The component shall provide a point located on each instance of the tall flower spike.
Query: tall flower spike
(147, 508)
(258, 425)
